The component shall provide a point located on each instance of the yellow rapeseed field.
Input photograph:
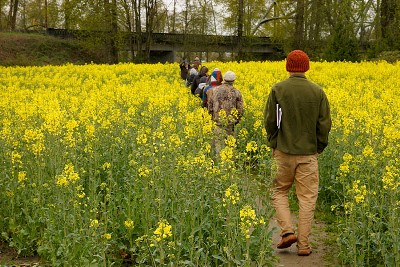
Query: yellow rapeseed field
(106, 164)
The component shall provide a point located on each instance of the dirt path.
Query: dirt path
(288, 257)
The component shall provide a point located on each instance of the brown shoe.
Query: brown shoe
(304, 252)
(287, 241)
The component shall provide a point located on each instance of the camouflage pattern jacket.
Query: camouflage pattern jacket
(226, 105)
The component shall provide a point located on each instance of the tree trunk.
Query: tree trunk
(174, 17)
(46, 15)
(315, 22)
(14, 17)
(114, 32)
(12, 14)
(240, 30)
(185, 28)
(1, 16)
(138, 30)
(129, 27)
(388, 15)
(111, 29)
(151, 10)
(298, 40)
(67, 14)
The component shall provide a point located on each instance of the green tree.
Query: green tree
(71, 11)
(277, 22)
(299, 34)
(389, 22)
(111, 18)
(343, 43)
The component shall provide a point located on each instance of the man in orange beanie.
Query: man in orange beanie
(297, 121)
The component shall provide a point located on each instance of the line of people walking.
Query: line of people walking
(217, 94)
(297, 122)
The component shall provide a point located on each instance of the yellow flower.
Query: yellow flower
(347, 157)
(226, 154)
(61, 180)
(391, 177)
(129, 224)
(257, 124)
(230, 141)
(175, 141)
(232, 195)
(158, 135)
(163, 231)
(207, 148)
(107, 236)
(344, 168)
(94, 223)
(251, 147)
(35, 140)
(16, 157)
(243, 133)
(247, 212)
(368, 151)
(199, 159)
(21, 177)
(143, 171)
(80, 192)
(141, 139)
(106, 166)
(207, 128)
(189, 132)
(70, 173)
(248, 220)
(90, 130)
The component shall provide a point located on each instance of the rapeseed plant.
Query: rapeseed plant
(98, 145)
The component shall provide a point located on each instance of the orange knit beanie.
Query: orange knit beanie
(297, 61)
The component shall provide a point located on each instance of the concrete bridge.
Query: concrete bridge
(164, 46)
(170, 43)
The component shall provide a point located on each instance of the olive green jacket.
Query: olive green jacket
(305, 120)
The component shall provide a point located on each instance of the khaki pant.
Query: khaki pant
(304, 170)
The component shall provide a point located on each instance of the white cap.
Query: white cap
(229, 76)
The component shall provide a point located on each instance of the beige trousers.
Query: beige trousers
(302, 169)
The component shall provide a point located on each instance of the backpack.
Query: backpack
(190, 79)
(199, 90)
(204, 96)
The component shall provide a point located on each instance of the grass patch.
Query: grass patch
(22, 49)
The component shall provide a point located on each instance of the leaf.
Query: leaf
(219, 257)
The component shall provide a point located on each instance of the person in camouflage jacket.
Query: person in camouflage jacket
(226, 108)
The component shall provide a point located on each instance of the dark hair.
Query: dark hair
(204, 70)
